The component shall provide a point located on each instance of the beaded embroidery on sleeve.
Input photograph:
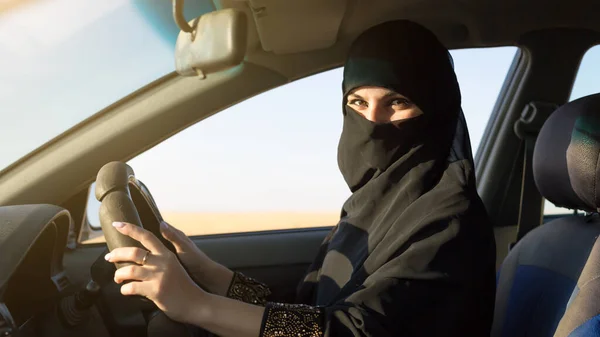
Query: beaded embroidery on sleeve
(246, 289)
(298, 320)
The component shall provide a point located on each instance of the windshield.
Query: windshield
(63, 60)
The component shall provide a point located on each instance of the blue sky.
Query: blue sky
(283, 155)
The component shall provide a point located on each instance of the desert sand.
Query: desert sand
(194, 224)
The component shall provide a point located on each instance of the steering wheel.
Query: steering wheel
(124, 198)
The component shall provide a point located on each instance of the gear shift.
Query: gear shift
(74, 309)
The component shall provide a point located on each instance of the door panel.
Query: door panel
(278, 258)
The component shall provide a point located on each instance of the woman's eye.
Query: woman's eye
(358, 102)
(401, 102)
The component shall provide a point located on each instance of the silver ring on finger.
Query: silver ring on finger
(145, 258)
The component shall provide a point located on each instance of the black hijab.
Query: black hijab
(413, 253)
(404, 57)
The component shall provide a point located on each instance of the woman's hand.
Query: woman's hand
(157, 276)
(212, 276)
(160, 277)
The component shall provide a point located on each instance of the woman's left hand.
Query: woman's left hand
(157, 276)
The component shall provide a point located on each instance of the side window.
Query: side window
(586, 83)
(270, 162)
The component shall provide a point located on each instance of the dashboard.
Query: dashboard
(38, 299)
(32, 280)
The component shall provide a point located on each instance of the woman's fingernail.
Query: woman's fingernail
(118, 224)
(107, 257)
(164, 225)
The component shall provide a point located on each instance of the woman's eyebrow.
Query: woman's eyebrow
(355, 96)
(392, 93)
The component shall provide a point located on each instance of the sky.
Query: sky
(64, 60)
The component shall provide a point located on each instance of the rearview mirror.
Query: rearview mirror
(216, 42)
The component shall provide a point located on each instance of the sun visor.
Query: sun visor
(214, 42)
(295, 26)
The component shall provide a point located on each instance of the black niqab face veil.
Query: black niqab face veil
(408, 59)
(413, 253)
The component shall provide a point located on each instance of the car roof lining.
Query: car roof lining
(458, 23)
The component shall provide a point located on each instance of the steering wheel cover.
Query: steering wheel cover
(125, 198)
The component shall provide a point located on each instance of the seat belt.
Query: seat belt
(527, 129)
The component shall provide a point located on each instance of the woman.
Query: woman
(413, 253)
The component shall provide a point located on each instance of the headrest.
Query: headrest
(583, 155)
(569, 182)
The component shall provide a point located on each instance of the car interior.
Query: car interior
(51, 284)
